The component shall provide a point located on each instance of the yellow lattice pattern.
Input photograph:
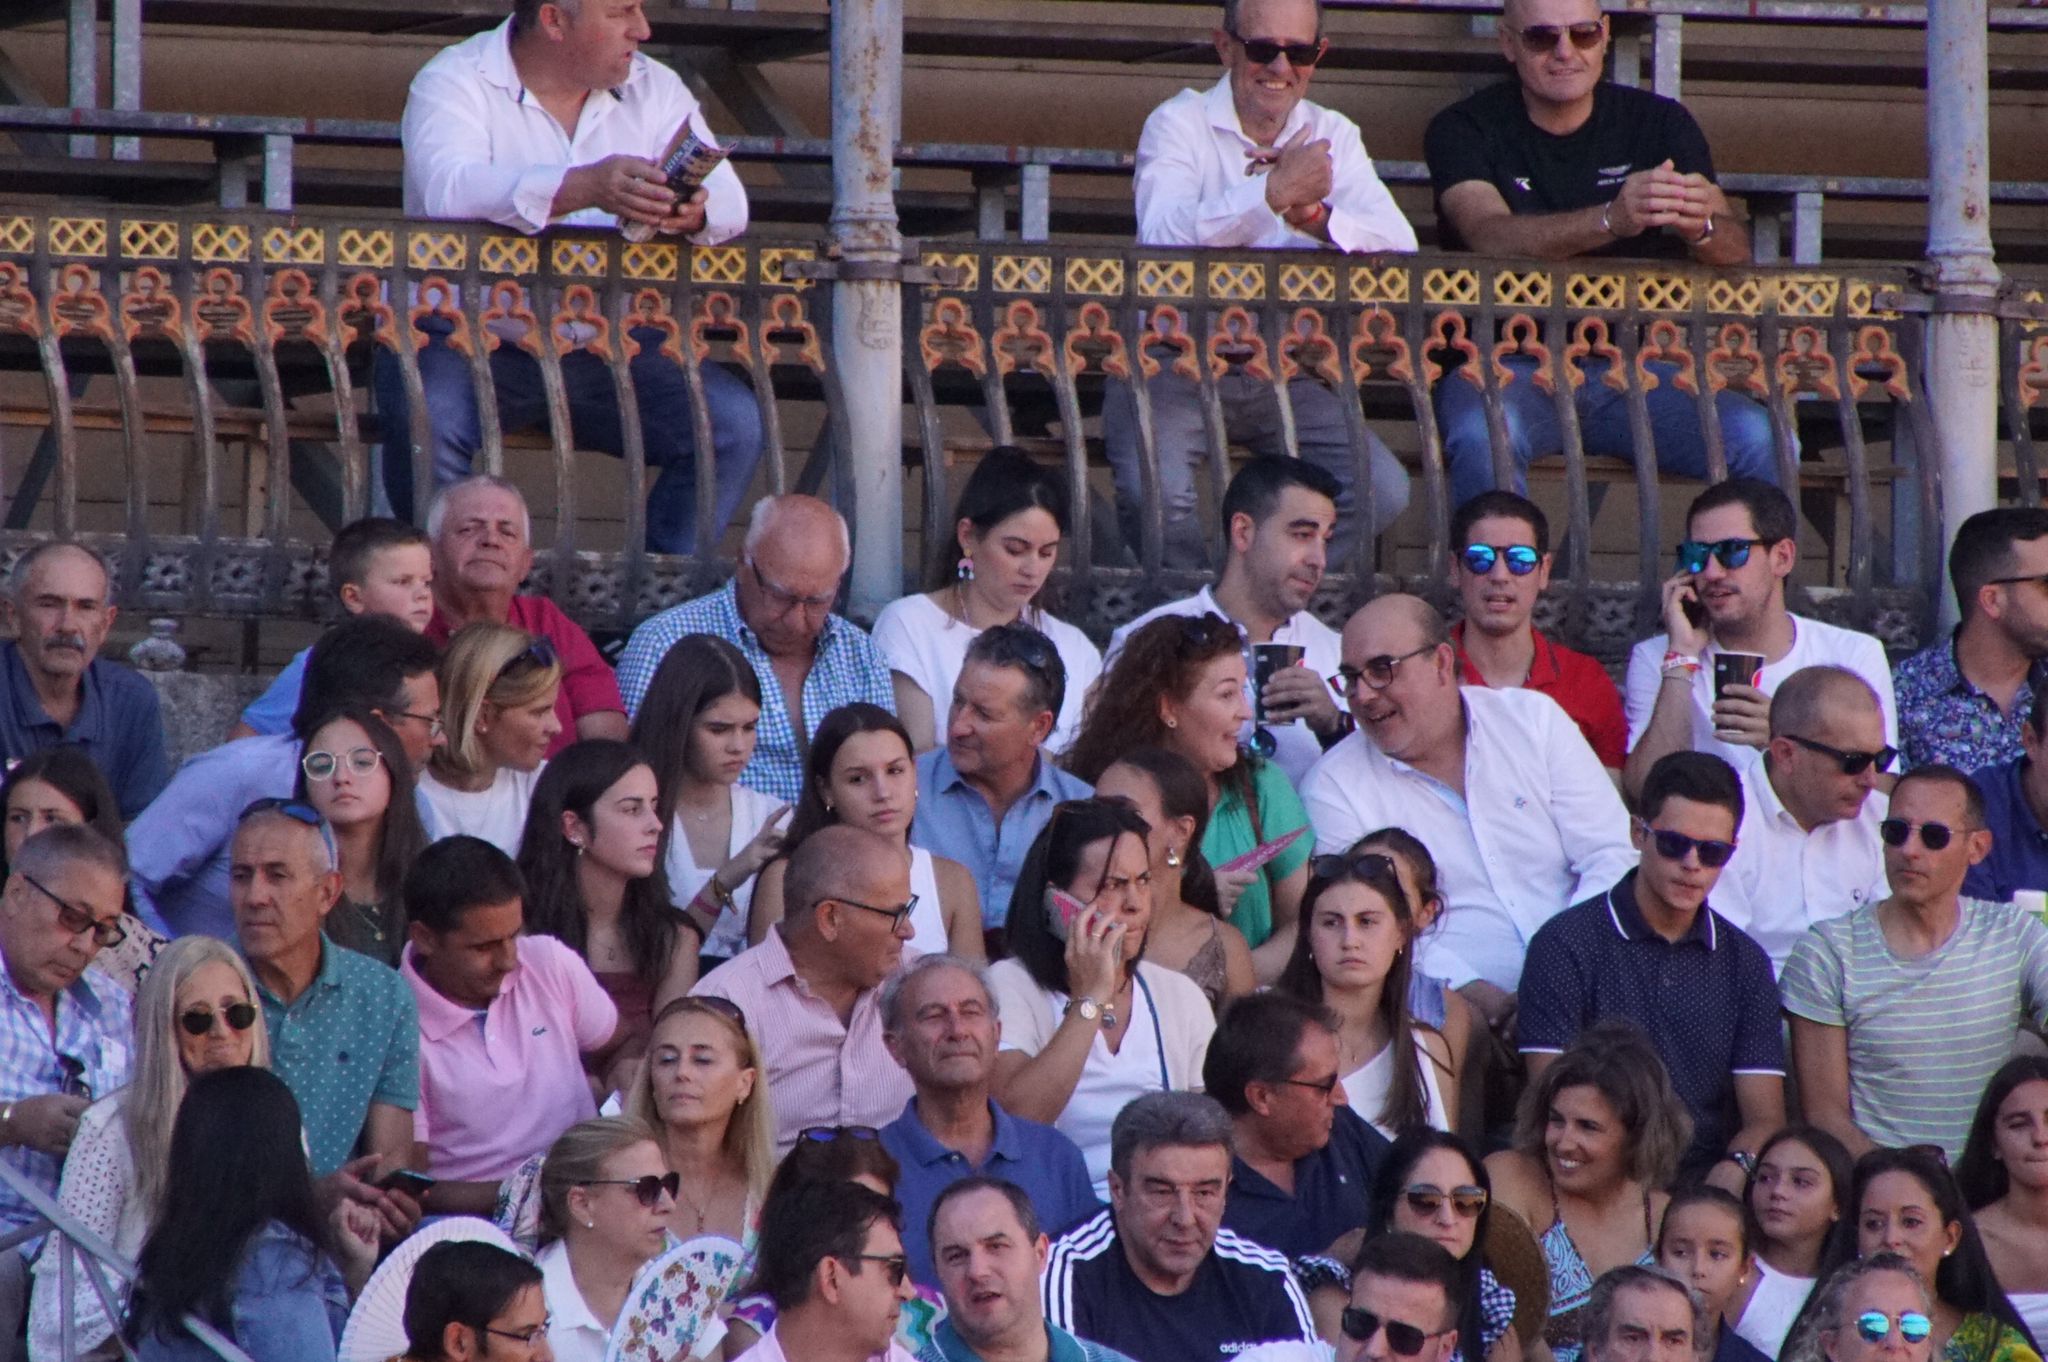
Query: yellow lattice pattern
(1238, 281)
(718, 265)
(360, 249)
(1604, 292)
(1744, 297)
(294, 246)
(966, 262)
(1023, 274)
(1808, 295)
(220, 243)
(145, 239)
(650, 260)
(17, 234)
(1102, 277)
(1663, 293)
(1521, 289)
(1451, 286)
(577, 255)
(436, 250)
(1308, 284)
(1860, 297)
(771, 265)
(78, 236)
(508, 255)
(1388, 285)
(1166, 278)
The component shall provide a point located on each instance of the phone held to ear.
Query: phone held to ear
(1061, 908)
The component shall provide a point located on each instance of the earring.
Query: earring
(965, 572)
(1173, 723)
(1173, 857)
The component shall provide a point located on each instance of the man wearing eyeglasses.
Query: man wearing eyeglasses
(1902, 1010)
(1250, 162)
(1651, 951)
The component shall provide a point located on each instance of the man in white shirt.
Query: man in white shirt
(1499, 784)
(1251, 163)
(1728, 596)
(555, 117)
(1278, 516)
(1808, 848)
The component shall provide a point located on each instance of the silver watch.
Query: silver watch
(1089, 1009)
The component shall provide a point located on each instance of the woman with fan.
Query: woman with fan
(606, 1201)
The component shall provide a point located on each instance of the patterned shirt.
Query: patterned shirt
(847, 668)
(93, 1040)
(1943, 717)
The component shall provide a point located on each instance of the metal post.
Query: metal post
(867, 308)
(1963, 336)
(127, 70)
(82, 55)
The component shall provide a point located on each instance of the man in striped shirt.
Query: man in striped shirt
(1902, 1009)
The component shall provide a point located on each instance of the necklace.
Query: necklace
(371, 915)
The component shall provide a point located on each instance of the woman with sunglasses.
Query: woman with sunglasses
(1179, 683)
(606, 1202)
(354, 771)
(1430, 1183)
(860, 771)
(498, 688)
(1797, 1190)
(2003, 1174)
(1873, 1309)
(1007, 529)
(1353, 957)
(196, 1012)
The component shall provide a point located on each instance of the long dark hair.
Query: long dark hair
(238, 1163)
(1833, 1156)
(400, 835)
(573, 783)
(1407, 1095)
(70, 770)
(1980, 1173)
(834, 729)
(1397, 1166)
(1006, 481)
(1053, 861)
(698, 671)
(1182, 794)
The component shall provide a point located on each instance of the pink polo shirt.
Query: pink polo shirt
(497, 1087)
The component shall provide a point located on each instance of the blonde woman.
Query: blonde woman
(498, 688)
(197, 1011)
(606, 1201)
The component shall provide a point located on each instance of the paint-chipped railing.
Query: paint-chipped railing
(284, 314)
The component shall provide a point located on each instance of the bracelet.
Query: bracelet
(1676, 662)
(1605, 225)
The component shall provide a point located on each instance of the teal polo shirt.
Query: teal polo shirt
(352, 1038)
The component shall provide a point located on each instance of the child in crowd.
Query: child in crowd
(1705, 1240)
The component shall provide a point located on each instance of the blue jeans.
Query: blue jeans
(1531, 416)
(665, 424)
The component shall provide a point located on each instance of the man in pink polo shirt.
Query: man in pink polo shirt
(505, 1021)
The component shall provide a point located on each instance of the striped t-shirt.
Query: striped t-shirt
(1924, 1035)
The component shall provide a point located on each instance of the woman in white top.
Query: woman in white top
(2004, 1177)
(606, 1201)
(1088, 1024)
(114, 1175)
(860, 771)
(697, 726)
(1010, 519)
(1795, 1195)
(1354, 956)
(498, 689)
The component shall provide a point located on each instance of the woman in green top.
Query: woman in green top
(1179, 683)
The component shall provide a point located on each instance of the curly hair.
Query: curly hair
(1615, 1059)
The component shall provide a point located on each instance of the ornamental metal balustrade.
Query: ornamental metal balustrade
(284, 314)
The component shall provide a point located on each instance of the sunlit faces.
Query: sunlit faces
(1812, 783)
(868, 940)
(1114, 877)
(1355, 936)
(1304, 1108)
(417, 718)
(398, 581)
(873, 783)
(1014, 558)
(1793, 1194)
(1420, 700)
(1683, 884)
(1288, 551)
(519, 736)
(1266, 95)
(624, 831)
(33, 805)
(600, 38)
(1916, 873)
(44, 934)
(1168, 1210)
(468, 963)
(696, 1071)
(987, 1267)
(482, 545)
(617, 1217)
(1203, 724)
(1742, 595)
(1420, 1306)
(1703, 1243)
(1889, 1294)
(990, 726)
(1443, 1169)
(1900, 1215)
(866, 1302)
(61, 616)
(2021, 607)
(947, 1038)
(2020, 1134)
(1499, 602)
(788, 581)
(1585, 1144)
(348, 797)
(722, 738)
(1561, 74)
(279, 886)
(210, 991)
(1650, 1323)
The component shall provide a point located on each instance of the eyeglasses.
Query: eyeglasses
(1265, 51)
(647, 1190)
(1378, 672)
(435, 728)
(827, 1134)
(1730, 553)
(1325, 1086)
(538, 655)
(1896, 832)
(1405, 1340)
(1426, 1199)
(897, 916)
(1853, 763)
(299, 811)
(1875, 1326)
(1479, 559)
(71, 1078)
(198, 1021)
(1538, 39)
(786, 601)
(2038, 578)
(323, 765)
(1362, 866)
(523, 1336)
(76, 921)
(1673, 846)
(894, 1264)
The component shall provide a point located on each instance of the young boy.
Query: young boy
(378, 566)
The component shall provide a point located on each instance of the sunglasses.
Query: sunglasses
(1204, 631)
(1896, 832)
(1404, 1340)
(1265, 51)
(1875, 1326)
(827, 1134)
(1853, 763)
(1362, 866)
(895, 1265)
(1672, 846)
(299, 811)
(711, 1002)
(1479, 558)
(648, 1190)
(199, 1021)
(538, 655)
(71, 1081)
(75, 920)
(1378, 672)
(1729, 553)
(1426, 1200)
(1537, 39)
(323, 765)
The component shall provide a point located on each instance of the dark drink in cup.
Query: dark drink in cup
(1736, 669)
(1268, 658)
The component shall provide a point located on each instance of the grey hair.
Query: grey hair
(1825, 1317)
(25, 566)
(1599, 1319)
(762, 519)
(437, 509)
(897, 984)
(329, 859)
(64, 844)
(1161, 1120)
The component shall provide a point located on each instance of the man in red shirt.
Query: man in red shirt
(1500, 560)
(483, 549)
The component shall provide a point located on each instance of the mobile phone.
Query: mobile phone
(1061, 908)
(1694, 611)
(413, 1184)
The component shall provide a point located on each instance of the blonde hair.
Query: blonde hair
(156, 1089)
(472, 675)
(750, 1130)
(577, 1158)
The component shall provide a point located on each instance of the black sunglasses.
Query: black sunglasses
(198, 1021)
(1537, 39)
(538, 655)
(1896, 832)
(1522, 559)
(647, 1190)
(1361, 866)
(1730, 553)
(895, 1265)
(71, 1081)
(1404, 1340)
(1672, 846)
(827, 1134)
(1853, 763)
(1264, 51)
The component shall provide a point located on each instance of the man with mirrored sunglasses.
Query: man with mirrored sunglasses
(2016, 811)
(1902, 1010)
(1653, 952)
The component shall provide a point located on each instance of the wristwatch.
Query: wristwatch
(1742, 1159)
(1089, 1009)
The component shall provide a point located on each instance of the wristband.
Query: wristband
(1316, 214)
(1675, 662)
(1606, 225)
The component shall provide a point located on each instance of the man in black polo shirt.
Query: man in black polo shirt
(1304, 1164)
(1652, 952)
(1155, 1276)
(1560, 163)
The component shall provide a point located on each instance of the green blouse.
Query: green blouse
(1230, 834)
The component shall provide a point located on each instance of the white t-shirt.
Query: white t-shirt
(750, 808)
(496, 813)
(919, 639)
(1365, 1088)
(1772, 1308)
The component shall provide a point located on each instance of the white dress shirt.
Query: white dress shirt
(1539, 829)
(478, 145)
(1784, 879)
(1296, 747)
(1193, 188)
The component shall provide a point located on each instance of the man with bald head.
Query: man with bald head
(59, 601)
(811, 991)
(1808, 849)
(777, 610)
(1499, 784)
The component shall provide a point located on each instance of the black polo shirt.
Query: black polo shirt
(1332, 1188)
(1707, 1001)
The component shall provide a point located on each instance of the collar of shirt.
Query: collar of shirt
(1543, 667)
(567, 1310)
(496, 66)
(1222, 107)
(1769, 803)
(1246, 1180)
(926, 1149)
(84, 995)
(946, 778)
(28, 706)
(1630, 925)
(1061, 1345)
(325, 979)
(440, 1015)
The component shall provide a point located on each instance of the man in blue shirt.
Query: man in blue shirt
(60, 690)
(1301, 1175)
(939, 1022)
(984, 796)
(2016, 811)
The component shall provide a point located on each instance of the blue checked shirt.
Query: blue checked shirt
(1944, 718)
(95, 1027)
(846, 669)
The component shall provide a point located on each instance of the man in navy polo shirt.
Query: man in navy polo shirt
(1303, 1168)
(2016, 811)
(939, 1022)
(1156, 1275)
(1652, 952)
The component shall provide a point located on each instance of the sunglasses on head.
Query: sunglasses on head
(1672, 846)
(1404, 1340)
(648, 1190)
(1265, 51)
(827, 1134)
(1426, 1199)
(539, 654)
(1853, 763)
(1522, 559)
(1537, 39)
(1896, 832)
(1365, 863)
(1202, 631)
(198, 1021)
(299, 811)
(1729, 553)
(1875, 1326)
